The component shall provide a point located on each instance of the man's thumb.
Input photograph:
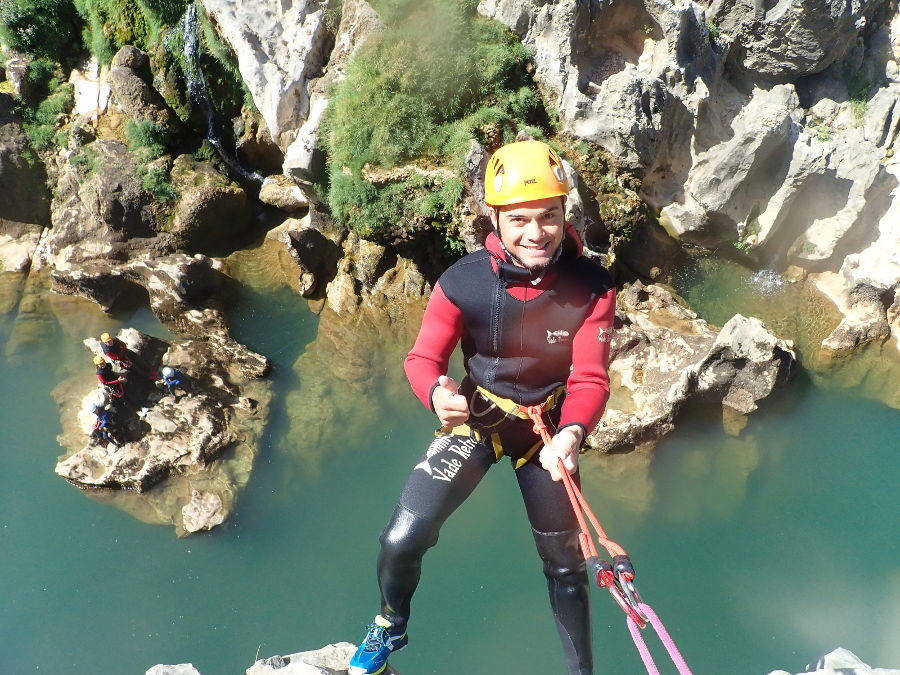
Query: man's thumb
(448, 382)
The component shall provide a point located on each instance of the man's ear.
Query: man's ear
(494, 215)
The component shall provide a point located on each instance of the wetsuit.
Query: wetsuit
(118, 352)
(172, 382)
(111, 380)
(528, 342)
(101, 429)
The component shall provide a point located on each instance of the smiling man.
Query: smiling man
(534, 318)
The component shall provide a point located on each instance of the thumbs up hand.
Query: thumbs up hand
(450, 406)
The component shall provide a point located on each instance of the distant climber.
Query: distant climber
(112, 382)
(117, 351)
(173, 380)
(102, 430)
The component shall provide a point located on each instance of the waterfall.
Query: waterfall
(198, 91)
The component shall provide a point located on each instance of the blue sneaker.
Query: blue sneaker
(372, 655)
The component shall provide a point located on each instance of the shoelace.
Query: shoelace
(375, 638)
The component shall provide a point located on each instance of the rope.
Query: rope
(664, 637)
(607, 578)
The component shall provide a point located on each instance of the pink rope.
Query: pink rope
(664, 637)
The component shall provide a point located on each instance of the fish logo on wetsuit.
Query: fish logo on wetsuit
(447, 467)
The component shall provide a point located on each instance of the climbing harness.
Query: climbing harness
(617, 577)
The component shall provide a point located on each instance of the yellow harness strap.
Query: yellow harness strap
(512, 410)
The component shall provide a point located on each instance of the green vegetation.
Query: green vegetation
(415, 94)
(613, 195)
(713, 29)
(86, 159)
(820, 129)
(147, 140)
(45, 28)
(42, 28)
(156, 181)
(859, 89)
(46, 99)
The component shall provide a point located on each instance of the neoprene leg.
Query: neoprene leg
(403, 544)
(569, 596)
(444, 477)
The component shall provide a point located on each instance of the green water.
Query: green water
(759, 552)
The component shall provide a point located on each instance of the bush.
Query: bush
(417, 94)
(157, 183)
(41, 28)
(47, 100)
(147, 140)
(111, 24)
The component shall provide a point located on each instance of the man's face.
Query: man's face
(532, 231)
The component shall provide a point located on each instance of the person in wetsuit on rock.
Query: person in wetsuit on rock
(116, 350)
(113, 383)
(534, 318)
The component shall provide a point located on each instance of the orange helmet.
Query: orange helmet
(522, 172)
(98, 360)
(105, 337)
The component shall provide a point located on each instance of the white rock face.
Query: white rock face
(287, 54)
(280, 48)
(841, 662)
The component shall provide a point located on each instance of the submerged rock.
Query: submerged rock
(156, 437)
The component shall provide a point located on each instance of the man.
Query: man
(112, 383)
(102, 430)
(116, 350)
(172, 379)
(534, 319)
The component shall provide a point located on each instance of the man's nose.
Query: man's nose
(533, 229)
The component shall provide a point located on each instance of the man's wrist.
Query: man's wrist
(577, 430)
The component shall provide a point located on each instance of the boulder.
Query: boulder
(313, 245)
(211, 210)
(100, 209)
(180, 669)
(780, 42)
(156, 439)
(664, 356)
(282, 192)
(330, 660)
(131, 87)
(182, 292)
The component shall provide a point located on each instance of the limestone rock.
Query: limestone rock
(101, 212)
(841, 661)
(663, 356)
(357, 22)
(211, 209)
(180, 669)
(130, 83)
(203, 512)
(313, 246)
(780, 42)
(182, 293)
(330, 660)
(174, 446)
(282, 192)
(619, 72)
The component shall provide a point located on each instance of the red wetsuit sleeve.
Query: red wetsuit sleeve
(588, 383)
(442, 328)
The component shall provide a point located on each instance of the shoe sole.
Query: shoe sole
(359, 670)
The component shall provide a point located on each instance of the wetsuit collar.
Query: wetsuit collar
(569, 249)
